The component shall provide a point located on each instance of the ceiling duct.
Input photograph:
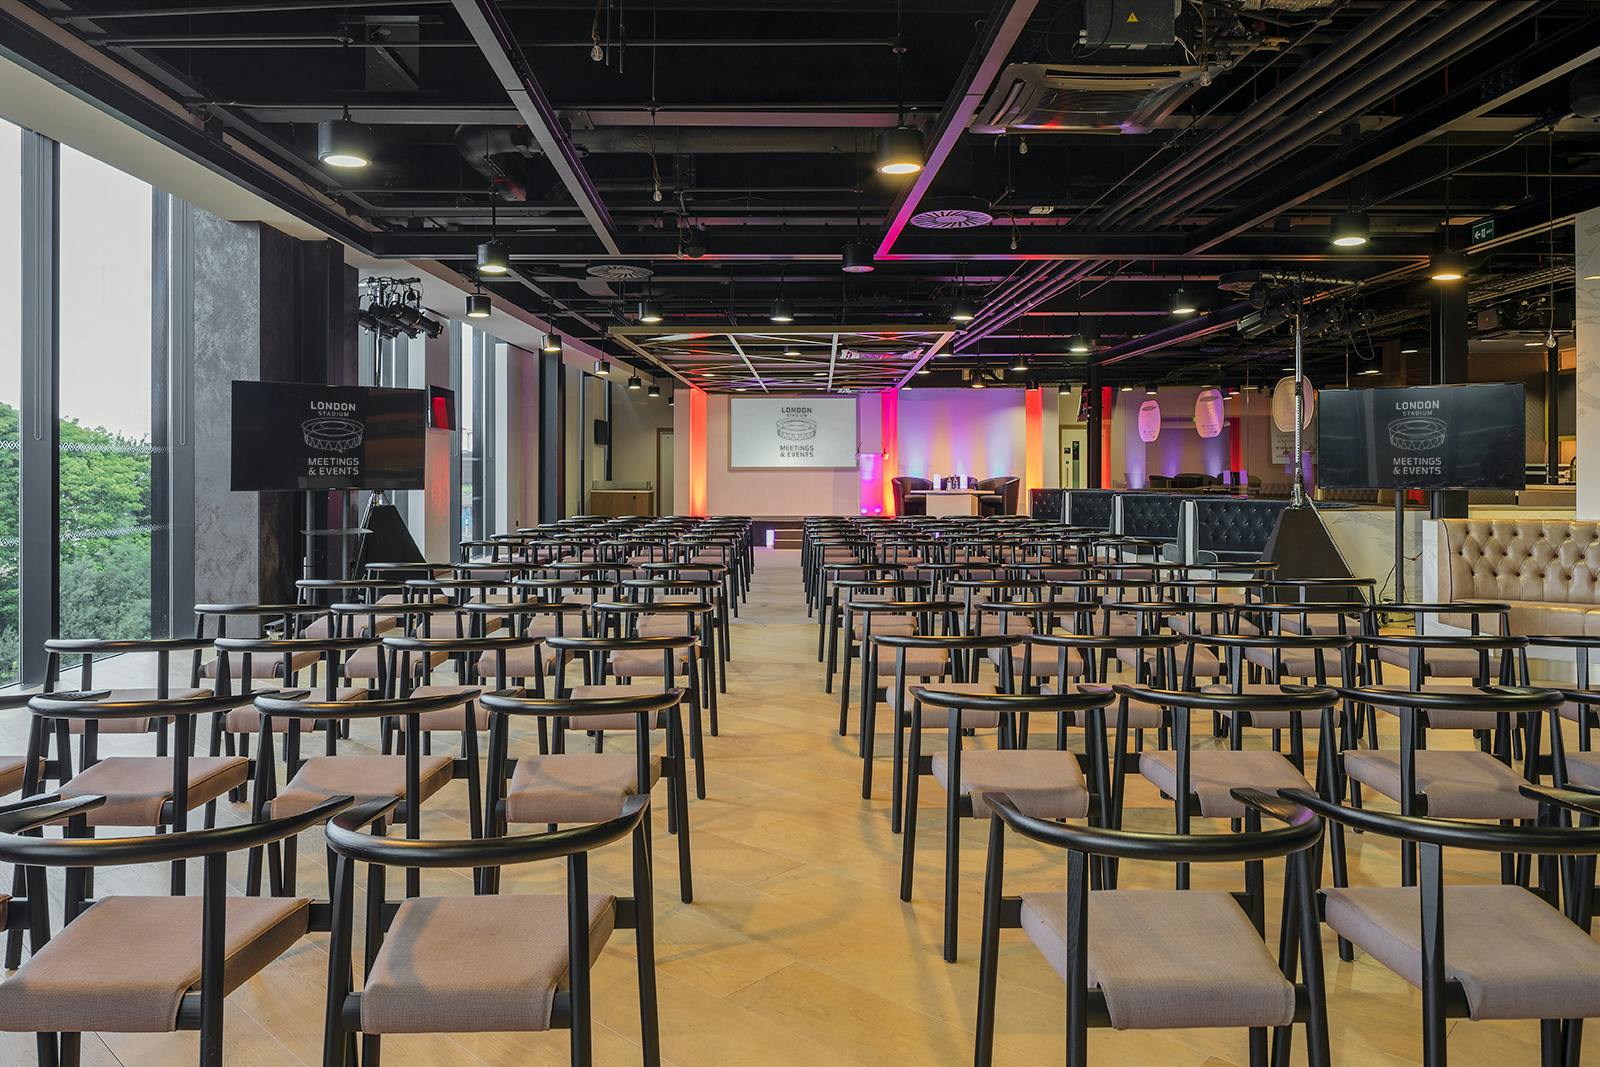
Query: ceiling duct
(953, 213)
(619, 272)
(1103, 97)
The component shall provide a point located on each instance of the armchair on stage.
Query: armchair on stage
(996, 496)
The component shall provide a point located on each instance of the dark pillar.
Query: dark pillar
(552, 437)
(1096, 415)
(39, 498)
(1448, 366)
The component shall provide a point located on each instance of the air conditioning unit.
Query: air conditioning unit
(1120, 98)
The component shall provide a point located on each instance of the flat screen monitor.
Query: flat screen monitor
(296, 436)
(1422, 437)
(792, 432)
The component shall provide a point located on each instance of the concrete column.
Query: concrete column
(1587, 243)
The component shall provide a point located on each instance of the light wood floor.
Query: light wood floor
(797, 950)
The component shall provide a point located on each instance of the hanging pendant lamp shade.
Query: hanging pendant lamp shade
(494, 257)
(857, 258)
(900, 151)
(1351, 230)
(552, 344)
(478, 306)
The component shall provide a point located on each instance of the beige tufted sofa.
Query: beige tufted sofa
(1548, 570)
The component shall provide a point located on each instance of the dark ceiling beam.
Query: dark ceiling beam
(36, 48)
(1531, 219)
(1222, 318)
(410, 112)
(498, 43)
(1557, 55)
(1000, 31)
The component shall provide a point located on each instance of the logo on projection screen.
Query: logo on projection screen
(797, 428)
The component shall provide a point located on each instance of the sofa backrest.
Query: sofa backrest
(1551, 560)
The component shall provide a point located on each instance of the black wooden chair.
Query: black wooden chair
(1481, 951)
(136, 963)
(1152, 959)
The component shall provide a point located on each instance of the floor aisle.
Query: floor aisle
(797, 950)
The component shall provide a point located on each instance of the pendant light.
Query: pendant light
(493, 255)
(552, 344)
(602, 369)
(1352, 229)
(1127, 389)
(1079, 345)
(1182, 304)
(649, 312)
(672, 398)
(635, 383)
(341, 142)
(857, 258)
(1447, 266)
(478, 305)
(653, 391)
(962, 311)
(900, 150)
(782, 311)
(1019, 366)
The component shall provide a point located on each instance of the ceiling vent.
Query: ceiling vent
(620, 272)
(953, 213)
(1064, 96)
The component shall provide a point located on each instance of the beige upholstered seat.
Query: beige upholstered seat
(363, 662)
(1141, 716)
(1514, 955)
(475, 964)
(673, 625)
(1213, 772)
(574, 788)
(1271, 720)
(1043, 783)
(932, 716)
(611, 721)
(1168, 959)
(1458, 785)
(520, 662)
(451, 718)
(245, 719)
(1442, 662)
(134, 696)
(261, 666)
(1043, 663)
(363, 777)
(12, 770)
(647, 664)
(920, 662)
(124, 965)
(884, 624)
(1206, 664)
(1296, 662)
(135, 787)
(1584, 768)
(1449, 719)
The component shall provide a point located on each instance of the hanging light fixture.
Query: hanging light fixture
(552, 344)
(1447, 266)
(977, 381)
(1149, 390)
(478, 305)
(672, 398)
(635, 383)
(1365, 371)
(1182, 304)
(857, 258)
(900, 149)
(1127, 389)
(962, 311)
(653, 391)
(1079, 345)
(602, 369)
(343, 143)
(649, 312)
(782, 311)
(1018, 366)
(1352, 229)
(493, 255)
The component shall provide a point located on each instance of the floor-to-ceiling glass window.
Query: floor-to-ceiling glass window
(10, 397)
(107, 359)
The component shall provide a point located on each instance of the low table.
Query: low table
(950, 501)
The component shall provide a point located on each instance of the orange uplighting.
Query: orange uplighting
(1033, 423)
(697, 452)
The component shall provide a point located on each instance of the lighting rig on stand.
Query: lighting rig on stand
(394, 307)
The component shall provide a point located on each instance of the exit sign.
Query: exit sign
(1482, 230)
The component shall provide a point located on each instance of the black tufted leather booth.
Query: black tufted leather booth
(1046, 503)
(1234, 529)
(1090, 507)
(1153, 515)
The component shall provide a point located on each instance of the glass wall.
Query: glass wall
(467, 412)
(10, 397)
(106, 377)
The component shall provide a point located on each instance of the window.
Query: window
(109, 365)
(10, 399)
(467, 411)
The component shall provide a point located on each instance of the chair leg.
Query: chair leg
(989, 951)
(72, 1049)
(952, 871)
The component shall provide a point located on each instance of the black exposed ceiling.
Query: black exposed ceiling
(756, 121)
